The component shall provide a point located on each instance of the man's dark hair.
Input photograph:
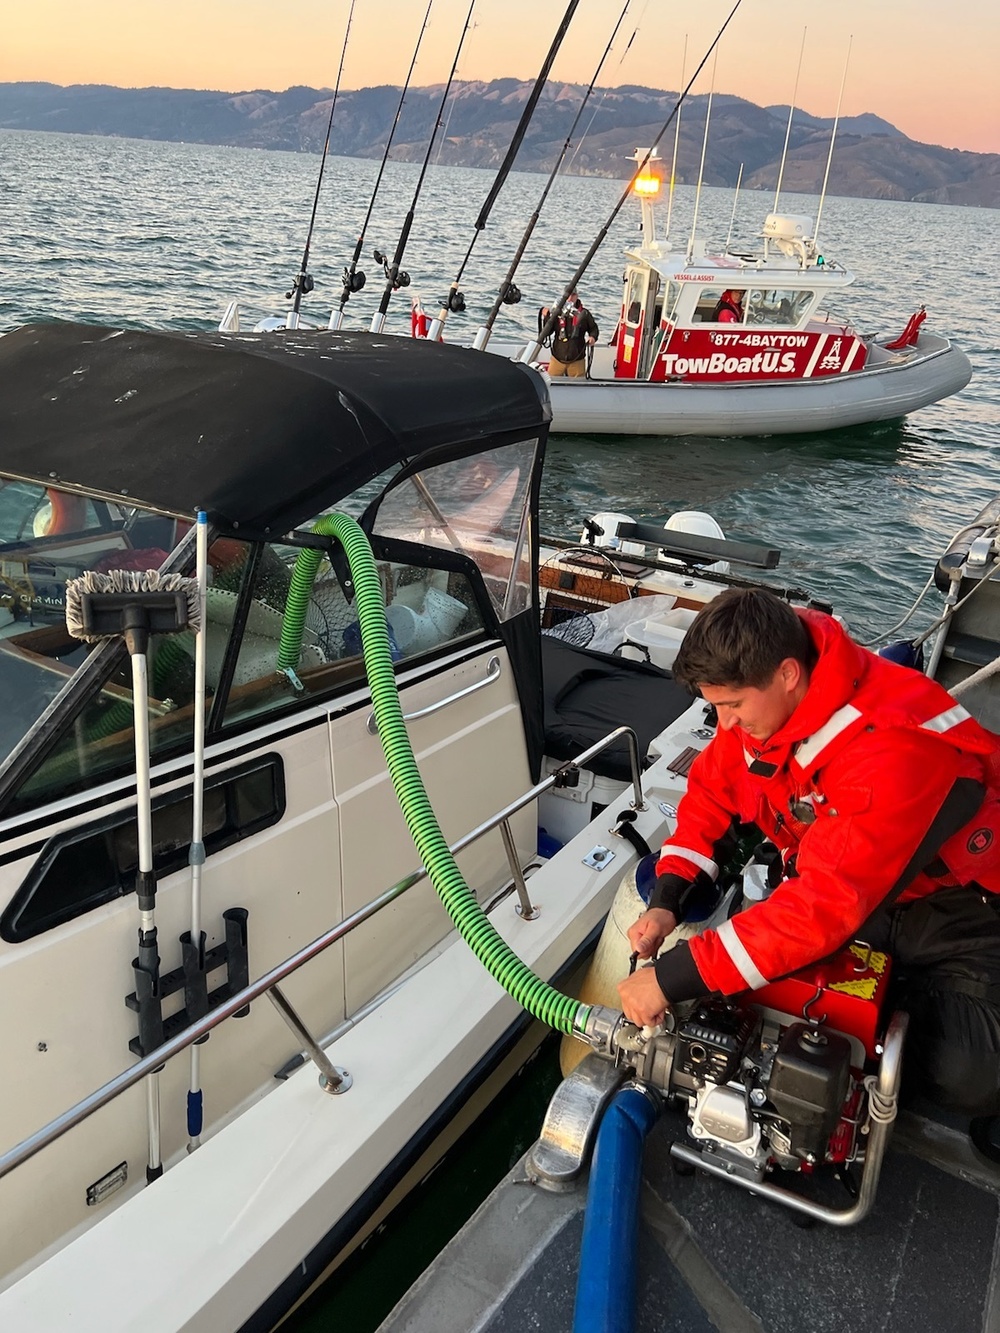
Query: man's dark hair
(741, 638)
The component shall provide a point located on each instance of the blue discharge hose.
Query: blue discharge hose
(605, 1289)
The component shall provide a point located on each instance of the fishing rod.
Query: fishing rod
(303, 283)
(455, 301)
(604, 97)
(354, 279)
(394, 277)
(531, 351)
(509, 294)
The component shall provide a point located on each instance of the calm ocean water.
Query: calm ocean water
(161, 235)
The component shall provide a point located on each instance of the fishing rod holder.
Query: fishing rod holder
(152, 987)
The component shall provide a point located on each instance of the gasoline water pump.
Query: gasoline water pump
(798, 1076)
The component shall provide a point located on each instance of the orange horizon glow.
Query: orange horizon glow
(927, 69)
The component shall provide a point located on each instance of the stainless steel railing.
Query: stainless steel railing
(331, 1079)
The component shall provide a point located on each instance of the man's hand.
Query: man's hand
(651, 930)
(643, 1003)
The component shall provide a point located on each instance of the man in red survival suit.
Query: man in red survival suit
(883, 796)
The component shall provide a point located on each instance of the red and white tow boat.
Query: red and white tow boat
(787, 364)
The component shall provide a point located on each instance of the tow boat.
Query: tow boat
(787, 359)
(198, 811)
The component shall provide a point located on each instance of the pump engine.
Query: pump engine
(780, 1079)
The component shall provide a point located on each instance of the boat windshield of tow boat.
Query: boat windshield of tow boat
(367, 509)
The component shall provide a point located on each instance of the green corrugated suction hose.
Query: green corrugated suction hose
(541, 1000)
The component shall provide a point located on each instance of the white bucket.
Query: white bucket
(658, 638)
(418, 631)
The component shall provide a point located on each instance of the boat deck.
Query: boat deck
(712, 1257)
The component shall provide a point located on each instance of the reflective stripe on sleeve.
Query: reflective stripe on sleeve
(951, 717)
(739, 957)
(688, 854)
(811, 748)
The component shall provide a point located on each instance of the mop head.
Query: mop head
(171, 601)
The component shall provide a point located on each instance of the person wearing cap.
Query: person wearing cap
(729, 309)
(575, 330)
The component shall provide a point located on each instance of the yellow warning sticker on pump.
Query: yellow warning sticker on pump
(864, 989)
(876, 961)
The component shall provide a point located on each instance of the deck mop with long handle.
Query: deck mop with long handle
(195, 942)
(135, 605)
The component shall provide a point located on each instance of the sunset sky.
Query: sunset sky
(929, 68)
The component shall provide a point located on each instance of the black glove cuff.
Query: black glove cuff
(677, 974)
(671, 893)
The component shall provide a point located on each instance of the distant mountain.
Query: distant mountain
(862, 125)
(872, 158)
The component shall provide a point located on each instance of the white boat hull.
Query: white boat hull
(224, 1227)
(884, 391)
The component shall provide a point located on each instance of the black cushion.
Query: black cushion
(588, 694)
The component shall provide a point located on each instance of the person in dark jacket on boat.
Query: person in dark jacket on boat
(575, 331)
(729, 308)
(882, 795)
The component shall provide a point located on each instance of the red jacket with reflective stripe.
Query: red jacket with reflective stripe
(873, 749)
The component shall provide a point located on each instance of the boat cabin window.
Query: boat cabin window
(707, 300)
(87, 866)
(48, 538)
(427, 609)
(671, 296)
(635, 296)
(478, 507)
(778, 306)
(38, 656)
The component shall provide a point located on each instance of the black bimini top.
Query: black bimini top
(262, 430)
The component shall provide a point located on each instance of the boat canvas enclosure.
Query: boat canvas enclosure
(265, 432)
(260, 430)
